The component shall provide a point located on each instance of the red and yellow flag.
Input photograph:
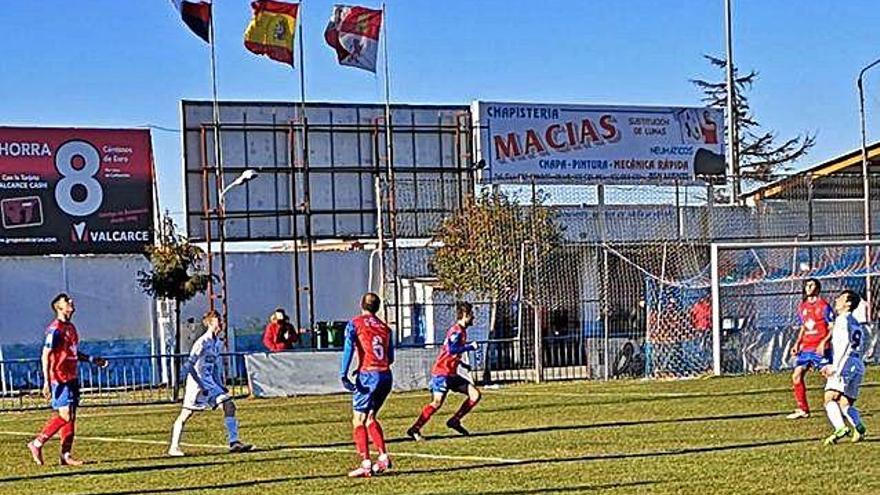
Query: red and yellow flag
(272, 30)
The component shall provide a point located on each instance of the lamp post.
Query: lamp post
(245, 177)
(866, 187)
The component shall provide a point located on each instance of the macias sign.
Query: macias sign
(598, 144)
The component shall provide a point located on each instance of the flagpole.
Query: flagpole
(307, 200)
(733, 137)
(389, 145)
(220, 180)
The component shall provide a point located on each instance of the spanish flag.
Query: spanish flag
(272, 30)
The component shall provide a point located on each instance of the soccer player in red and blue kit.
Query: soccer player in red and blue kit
(811, 346)
(371, 338)
(445, 377)
(60, 385)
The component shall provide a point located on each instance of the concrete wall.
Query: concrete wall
(111, 308)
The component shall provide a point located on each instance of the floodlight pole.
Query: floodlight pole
(866, 188)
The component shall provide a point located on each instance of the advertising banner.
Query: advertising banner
(592, 144)
(75, 191)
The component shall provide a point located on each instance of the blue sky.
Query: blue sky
(129, 63)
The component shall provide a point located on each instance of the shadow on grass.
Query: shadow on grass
(565, 489)
(575, 427)
(245, 484)
(470, 467)
(607, 457)
(71, 472)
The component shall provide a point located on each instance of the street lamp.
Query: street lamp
(245, 177)
(866, 187)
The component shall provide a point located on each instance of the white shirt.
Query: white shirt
(205, 362)
(848, 343)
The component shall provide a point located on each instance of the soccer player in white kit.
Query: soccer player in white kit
(204, 389)
(845, 371)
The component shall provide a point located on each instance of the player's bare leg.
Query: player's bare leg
(235, 445)
(473, 397)
(377, 436)
(177, 433)
(415, 431)
(362, 445)
(799, 388)
(835, 416)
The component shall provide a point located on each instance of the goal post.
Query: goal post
(756, 288)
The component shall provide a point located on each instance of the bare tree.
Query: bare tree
(761, 155)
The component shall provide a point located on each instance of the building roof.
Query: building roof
(850, 163)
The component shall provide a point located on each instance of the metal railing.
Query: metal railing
(127, 379)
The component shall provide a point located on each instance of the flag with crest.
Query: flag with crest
(353, 33)
(272, 30)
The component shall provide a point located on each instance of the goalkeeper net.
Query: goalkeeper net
(759, 287)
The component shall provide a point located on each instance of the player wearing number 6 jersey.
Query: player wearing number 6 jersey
(845, 371)
(371, 338)
(445, 376)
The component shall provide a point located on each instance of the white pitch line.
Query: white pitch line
(282, 449)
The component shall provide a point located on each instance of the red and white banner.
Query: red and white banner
(598, 143)
(354, 33)
(75, 191)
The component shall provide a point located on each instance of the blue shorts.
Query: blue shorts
(373, 388)
(442, 384)
(64, 395)
(810, 359)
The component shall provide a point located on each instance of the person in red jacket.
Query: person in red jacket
(279, 334)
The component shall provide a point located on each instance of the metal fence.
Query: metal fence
(127, 379)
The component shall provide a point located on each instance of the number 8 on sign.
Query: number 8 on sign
(84, 177)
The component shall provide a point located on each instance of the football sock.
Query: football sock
(427, 412)
(377, 435)
(231, 428)
(800, 395)
(361, 444)
(52, 426)
(67, 433)
(852, 414)
(835, 415)
(465, 408)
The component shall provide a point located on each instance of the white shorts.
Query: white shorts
(847, 383)
(197, 399)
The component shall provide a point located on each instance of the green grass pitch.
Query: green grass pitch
(710, 436)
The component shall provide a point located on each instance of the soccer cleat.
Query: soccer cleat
(859, 433)
(415, 434)
(237, 447)
(36, 453)
(798, 414)
(456, 425)
(383, 463)
(365, 471)
(68, 460)
(175, 452)
(837, 435)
